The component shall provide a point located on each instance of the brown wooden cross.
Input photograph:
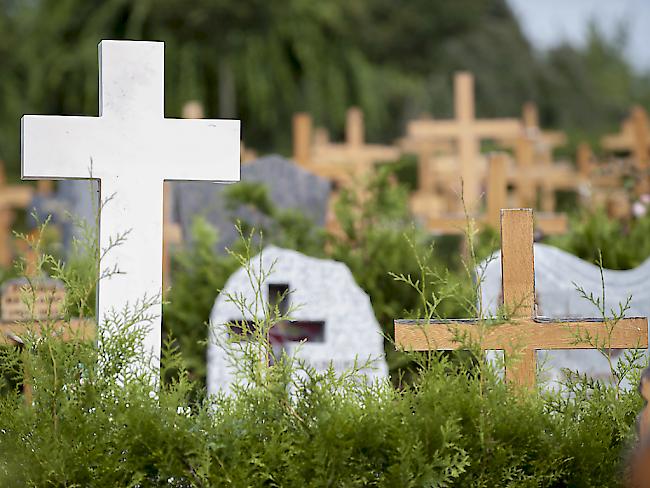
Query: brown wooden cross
(499, 166)
(338, 161)
(467, 132)
(523, 333)
(634, 138)
(11, 197)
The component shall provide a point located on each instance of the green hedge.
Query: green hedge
(94, 423)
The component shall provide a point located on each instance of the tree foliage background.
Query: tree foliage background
(261, 61)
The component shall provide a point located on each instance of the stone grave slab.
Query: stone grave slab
(289, 187)
(75, 201)
(334, 315)
(556, 271)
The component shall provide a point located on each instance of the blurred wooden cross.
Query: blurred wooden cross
(11, 197)
(467, 131)
(496, 199)
(523, 334)
(338, 161)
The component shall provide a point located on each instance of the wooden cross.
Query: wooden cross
(549, 138)
(338, 162)
(634, 138)
(132, 149)
(467, 132)
(11, 197)
(17, 321)
(524, 332)
(499, 166)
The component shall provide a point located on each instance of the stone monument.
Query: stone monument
(289, 187)
(333, 323)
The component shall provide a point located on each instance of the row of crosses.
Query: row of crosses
(132, 149)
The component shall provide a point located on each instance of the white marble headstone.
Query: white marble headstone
(131, 148)
(324, 290)
(556, 271)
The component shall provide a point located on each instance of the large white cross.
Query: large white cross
(131, 148)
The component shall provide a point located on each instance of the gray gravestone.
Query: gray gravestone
(556, 271)
(75, 201)
(341, 326)
(289, 187)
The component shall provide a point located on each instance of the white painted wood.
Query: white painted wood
(131, 148)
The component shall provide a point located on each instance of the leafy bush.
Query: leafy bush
(94, 420)
(623, 244)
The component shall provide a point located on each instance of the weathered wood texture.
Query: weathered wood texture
(517, 262)
(526, 333)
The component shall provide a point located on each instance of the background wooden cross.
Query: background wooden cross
(11, 197)
(19, 321)
(524, 333)
(467, 132)
(499, 164)
(338, 161)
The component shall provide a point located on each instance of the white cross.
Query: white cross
(132, 149)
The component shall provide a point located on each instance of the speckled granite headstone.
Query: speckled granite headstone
(556, 271)
(71, 204)
(289, 187)
(324, 290)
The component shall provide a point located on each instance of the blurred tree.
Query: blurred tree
(261, 61)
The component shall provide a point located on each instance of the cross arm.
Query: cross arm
(523, 333)
(433, 129)
(212, 146)
(497, 128)
(57, 147)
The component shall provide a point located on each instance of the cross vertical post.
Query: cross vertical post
(518, 283)
(641, 148)
(132, 149)
(302, 138)
(354, 127)
(468, 144)
(497, 188)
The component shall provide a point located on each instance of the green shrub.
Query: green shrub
(623, 244)
(94, 421)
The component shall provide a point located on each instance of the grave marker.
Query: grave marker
(633, 139)
(288, 185)
(340, 162)
(525, 332)
(11, 197)
(131, 148)
(333, 314)
(467, 131)
(499, 167)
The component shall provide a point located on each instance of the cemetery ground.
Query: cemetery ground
(449, 419)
